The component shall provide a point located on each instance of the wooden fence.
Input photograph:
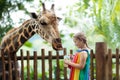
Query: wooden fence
(101, 67)
(104, 62)
(36, 60)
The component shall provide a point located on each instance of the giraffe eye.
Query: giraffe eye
(42, 22)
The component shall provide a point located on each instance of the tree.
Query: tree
(106, 21)
(6, 8)
(102, 20)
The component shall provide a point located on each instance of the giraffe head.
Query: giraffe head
(48, 26)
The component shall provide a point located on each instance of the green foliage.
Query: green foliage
(46, 73)
(4, 5)
(105, 16)
(105, 21)
(86, 3)
(70, 22)
(3, 30)
(31, 73)
(61, 70)
(20, 6)
(71, 35)
(6, 8)
(28, 44)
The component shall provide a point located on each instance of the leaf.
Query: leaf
(20, 6)
(71, 35)
(28, 44)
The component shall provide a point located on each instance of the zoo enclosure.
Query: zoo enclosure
(100, 68)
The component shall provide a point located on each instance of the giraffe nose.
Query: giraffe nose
(58, 40)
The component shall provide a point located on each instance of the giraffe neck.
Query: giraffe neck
(16, 39)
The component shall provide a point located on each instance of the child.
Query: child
(80, 63)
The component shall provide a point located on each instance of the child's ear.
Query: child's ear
(34, 15)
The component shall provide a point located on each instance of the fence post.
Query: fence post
(50, 65)
(91, 65)
(117, 64)
(101, 61)
(110, 64)
(35, 66)
(43, 63)
(58, 66)
(28, 65)
(22, 64)
(65, 69)
(3, 65)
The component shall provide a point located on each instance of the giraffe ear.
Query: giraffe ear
(34, 15)
(59, 19)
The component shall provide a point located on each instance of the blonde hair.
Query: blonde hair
(81, 36)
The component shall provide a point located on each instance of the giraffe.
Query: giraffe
(45, 24)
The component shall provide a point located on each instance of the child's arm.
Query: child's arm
(80, 65)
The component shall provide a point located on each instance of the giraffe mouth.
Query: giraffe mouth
(56, 44)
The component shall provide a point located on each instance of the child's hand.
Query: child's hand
(65, 65)
(66, 61)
